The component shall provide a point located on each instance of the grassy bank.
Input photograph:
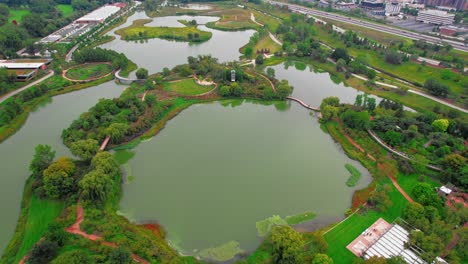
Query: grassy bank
(89, 71)
(11, 128)
(35, 216)
(138, 31)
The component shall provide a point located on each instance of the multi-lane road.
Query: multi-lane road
(366, 24)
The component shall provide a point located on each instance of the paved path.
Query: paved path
(303, 104)
(395, 183)
(275, 39)
(252, 17)
(8, 95)
(396, 152)
(433, 98)
(68, 57)
(104, 143)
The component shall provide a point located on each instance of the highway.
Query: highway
(366, 24)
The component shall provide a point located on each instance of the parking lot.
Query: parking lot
(412, 24)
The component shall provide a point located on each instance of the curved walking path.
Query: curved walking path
(275, 39)
(396, 152)
(64, 72)
(8, 95)
(252, 17)
(303, 104)
(69, 55)
(268, 79)
(75, 229)
(395, 183)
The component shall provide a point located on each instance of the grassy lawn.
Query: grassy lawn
(89, 71)
(410, 70)
(187, 87)
(138, 31)
(340, 236)
(41, 213)
(17, 14)
(267, 43)
(271, 22)
(233, 18)
(408, 182)
(66, 10)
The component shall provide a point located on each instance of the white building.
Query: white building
(436, 17)
(392, 9)
(99, 15)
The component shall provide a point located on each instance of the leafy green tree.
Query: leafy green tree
(142, 73)
(57, 178)
(225, 90)
(283, 89)
(393, 57)
(259, 59)
(322, 259)
(236, 89)
(270, 72)
(376, 260)
(4, 13)
(106, 163)
(120, 255)
(116, 132)
(356, 120)
(55, 232)
(426, 195)
(43, 252)
(43, 157)
(288, 245)
(76, 256)
(248, 51)
(166, 72)
(85, 148)
(340, 53)
(34, 24)
(340, 64)
(436, 88)
(329, 112)
(96, 186)
(331, 100)
(440, 125)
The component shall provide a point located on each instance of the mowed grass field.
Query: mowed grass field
(17, 14)
(345, 232)
(187, 87)
(267, 43)
(66, 10)
(41, 213)
(89, 71)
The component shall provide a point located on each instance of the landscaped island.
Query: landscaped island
(138, 30)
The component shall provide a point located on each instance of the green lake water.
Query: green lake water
(218, 168)
(43, 126)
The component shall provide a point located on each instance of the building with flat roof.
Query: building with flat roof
(24, 70)
(392, 9)
(375, 7)
(99, 15)
(436, 17)
(386, 240)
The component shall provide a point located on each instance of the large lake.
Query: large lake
(215, 170)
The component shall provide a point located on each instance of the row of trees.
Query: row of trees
(119, 60)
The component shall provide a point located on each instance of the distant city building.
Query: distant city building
(460, 5)
(452, 30)
(345, 6)
(375, 7)
(436, 17)
(392, 9)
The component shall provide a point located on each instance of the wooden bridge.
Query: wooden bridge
(303, 104)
